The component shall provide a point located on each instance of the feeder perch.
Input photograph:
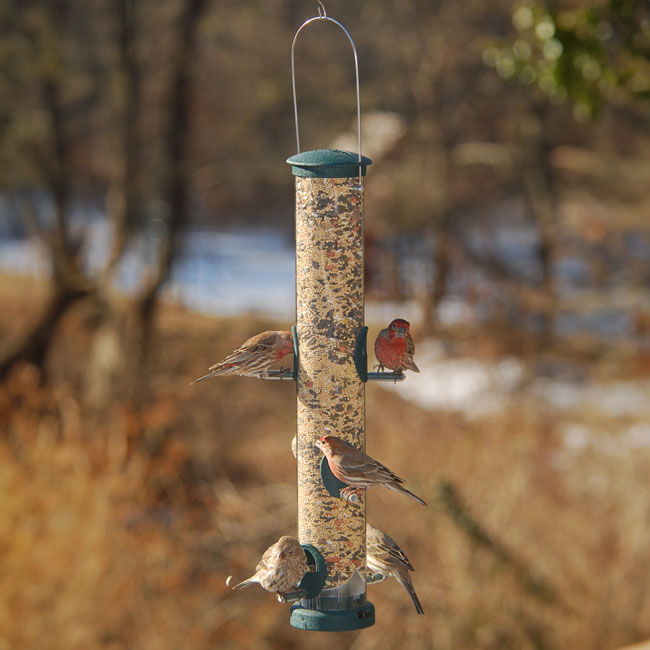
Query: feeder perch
(286, 373)
(361, 362)
(312, 582)
(330, 389)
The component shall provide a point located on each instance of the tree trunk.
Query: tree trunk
(124, 195)
(442, 265)
(34, 346)
(68, 284)
(176, 178)
(108, 356)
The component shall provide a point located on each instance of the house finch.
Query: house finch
(357, 470)
(394, 347)
(386, 557)
(254, 357)
(281, 568)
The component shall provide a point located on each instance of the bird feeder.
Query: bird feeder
(330, 367)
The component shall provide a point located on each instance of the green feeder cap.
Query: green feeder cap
(328, 163)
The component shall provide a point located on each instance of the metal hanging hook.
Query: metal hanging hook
(322, 15)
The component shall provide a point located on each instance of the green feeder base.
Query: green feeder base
(335, 620)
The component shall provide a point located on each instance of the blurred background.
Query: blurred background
(146, 230)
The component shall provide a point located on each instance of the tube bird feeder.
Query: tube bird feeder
(330, 388)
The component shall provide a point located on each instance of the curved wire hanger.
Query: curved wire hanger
(322, 15)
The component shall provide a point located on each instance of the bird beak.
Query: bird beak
(281, 555)
(402, 331)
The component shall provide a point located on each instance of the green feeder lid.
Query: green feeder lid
(328, 163)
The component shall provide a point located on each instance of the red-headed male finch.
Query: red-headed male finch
(357, 470)
(254, 357)
(394, 347)
(281, 568)
(383, 555)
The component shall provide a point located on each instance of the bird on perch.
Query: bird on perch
(384, 556)
(254, 357)
(281, 568)
(358, 470)
(394, 347)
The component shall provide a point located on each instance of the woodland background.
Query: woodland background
(507, 217)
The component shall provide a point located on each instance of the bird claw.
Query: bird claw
(350, 494)
(291, 596)
(375, 576)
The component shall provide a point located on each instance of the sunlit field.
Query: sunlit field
(119, 527)
(147, 230)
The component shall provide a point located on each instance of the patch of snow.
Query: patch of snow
(611, 399)
(478, 388)
(474, 387)
(578, 439)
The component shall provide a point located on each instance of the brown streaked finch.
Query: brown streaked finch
(383, 555)
(394, 347)
(254, 357)
(358, 470)
(281, 568)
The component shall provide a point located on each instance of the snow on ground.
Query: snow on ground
(473, 387)
(578, 438)
(614, 399)
(24, 256)
(251, 270)
(477, 388)
(609, 418)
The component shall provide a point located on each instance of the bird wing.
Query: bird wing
(387, 552)
(359, 464)
(250, 349)
(410, 346)
(260, 570)
(397, 556)
(409, 352)
(264, 563)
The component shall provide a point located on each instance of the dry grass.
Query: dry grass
(118, 528)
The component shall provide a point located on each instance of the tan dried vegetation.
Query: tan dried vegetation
(118, 528)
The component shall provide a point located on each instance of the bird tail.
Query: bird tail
(219, 370)
(413, 367)
(400, 488)
(405, 580)
(210, 374)
(245, 583)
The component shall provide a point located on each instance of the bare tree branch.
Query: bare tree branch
(177, 176)
(124, 196)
